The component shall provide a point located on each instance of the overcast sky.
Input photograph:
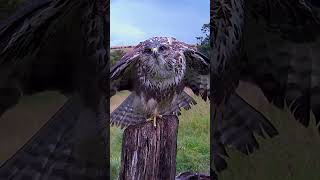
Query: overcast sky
(133, 21)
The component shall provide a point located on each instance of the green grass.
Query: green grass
(193, 141)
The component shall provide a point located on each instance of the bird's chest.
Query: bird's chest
(154, 103)
(159, 88)
(160, 94)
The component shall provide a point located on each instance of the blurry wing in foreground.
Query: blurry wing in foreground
(122, 73)
(284, 59)
(237, 129)
(234, 122)
(237, 123)
(281, 52)
(66, 147)
(23, 34)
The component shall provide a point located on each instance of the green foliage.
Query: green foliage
(115, 56)
(203, 41)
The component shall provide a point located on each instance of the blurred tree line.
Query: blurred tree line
(115, 56)
(203, 41)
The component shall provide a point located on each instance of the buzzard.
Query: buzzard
(156, 71)
(273, 44)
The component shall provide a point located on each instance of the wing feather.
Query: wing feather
(197, 73)
(122, 73)
(280, 65)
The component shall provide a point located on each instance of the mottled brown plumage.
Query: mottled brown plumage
(157, 71)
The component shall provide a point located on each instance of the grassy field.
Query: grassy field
(193, 138)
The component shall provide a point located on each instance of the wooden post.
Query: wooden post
(149, 152)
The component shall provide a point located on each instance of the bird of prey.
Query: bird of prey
(156, 72)
(59, 45)
(273, 44)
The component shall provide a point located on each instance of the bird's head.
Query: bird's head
(160, 57)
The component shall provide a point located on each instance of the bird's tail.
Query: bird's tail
(183, 101)
(125, 114)
(234, 125)
(68, 146)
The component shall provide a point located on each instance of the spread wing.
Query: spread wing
(229, 127)
(46, 44)
(122, 73)
(197, 73)
(284, 60)
(54, 152)
(284, 69)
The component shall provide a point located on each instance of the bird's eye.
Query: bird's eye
(147, 50)
(162, 48)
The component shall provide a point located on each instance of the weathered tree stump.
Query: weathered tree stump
(149, 152)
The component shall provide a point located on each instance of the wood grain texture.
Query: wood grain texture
(149, 152)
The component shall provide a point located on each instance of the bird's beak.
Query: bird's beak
(155, 52)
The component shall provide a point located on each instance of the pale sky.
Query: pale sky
(133, 21)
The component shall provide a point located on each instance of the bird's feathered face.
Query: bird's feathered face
(161, 60)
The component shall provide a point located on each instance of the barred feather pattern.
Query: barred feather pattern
(200, 84)
(185, 101)
(28, 34)
(237, 130)
(125, 115)
(96, 37)
(128, 114)
(284, 65)
(227, 25)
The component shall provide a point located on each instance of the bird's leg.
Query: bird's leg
(154, 117)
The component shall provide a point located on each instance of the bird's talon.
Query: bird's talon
(154, 119)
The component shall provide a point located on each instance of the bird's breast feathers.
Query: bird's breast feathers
(162, 77)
